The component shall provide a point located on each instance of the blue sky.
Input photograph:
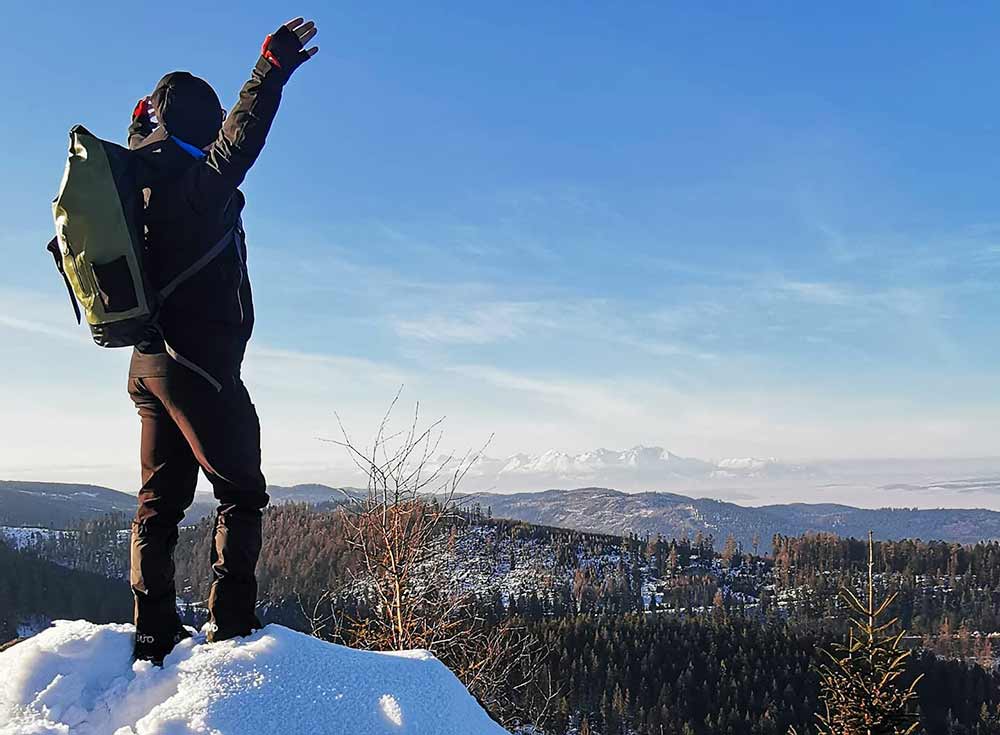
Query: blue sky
(749, 229)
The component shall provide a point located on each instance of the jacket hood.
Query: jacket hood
(188, 108)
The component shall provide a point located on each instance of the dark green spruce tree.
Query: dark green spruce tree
(861, 685)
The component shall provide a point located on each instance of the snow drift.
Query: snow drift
(77, 678)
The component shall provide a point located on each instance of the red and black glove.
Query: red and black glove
(142, 110)
(285, 48)
(142, 121)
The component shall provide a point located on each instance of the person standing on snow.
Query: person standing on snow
(194, 409)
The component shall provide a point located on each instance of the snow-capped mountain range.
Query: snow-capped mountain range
(638, 467)
(921, 482)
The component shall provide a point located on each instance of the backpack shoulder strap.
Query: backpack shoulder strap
(196, 266)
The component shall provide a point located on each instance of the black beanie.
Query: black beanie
(188, 107)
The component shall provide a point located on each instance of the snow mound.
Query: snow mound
(77, 678)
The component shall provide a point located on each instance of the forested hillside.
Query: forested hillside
(56, 504)
(34, 591)
(639, 633)
(726, 674)
(604, 510)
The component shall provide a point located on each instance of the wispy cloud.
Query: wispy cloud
(589, 398)
(814, 292)
(345, 362)
(477, 324)
(42, 328)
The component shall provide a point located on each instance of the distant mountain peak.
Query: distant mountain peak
(636, 467)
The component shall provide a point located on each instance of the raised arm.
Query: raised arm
(245, 129)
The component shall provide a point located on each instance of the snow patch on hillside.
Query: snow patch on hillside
(78, 678)
(24, 538)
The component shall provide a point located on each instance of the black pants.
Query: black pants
(187, 424)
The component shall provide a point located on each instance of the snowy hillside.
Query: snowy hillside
(77, 678)
(26, 538)
(56, 504)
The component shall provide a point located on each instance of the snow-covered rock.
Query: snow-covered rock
(77, 678)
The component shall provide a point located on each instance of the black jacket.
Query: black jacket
(190, 205)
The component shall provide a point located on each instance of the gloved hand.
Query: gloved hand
(143, 120)
(141, 109)
(285, 48)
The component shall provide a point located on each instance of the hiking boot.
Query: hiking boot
(214, 633)
(155, 647)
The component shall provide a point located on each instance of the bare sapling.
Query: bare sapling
(400, 531)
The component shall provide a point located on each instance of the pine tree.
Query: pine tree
(729, 551)
(860, 684)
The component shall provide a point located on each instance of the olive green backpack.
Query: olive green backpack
(99, 247)
(99, 242)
